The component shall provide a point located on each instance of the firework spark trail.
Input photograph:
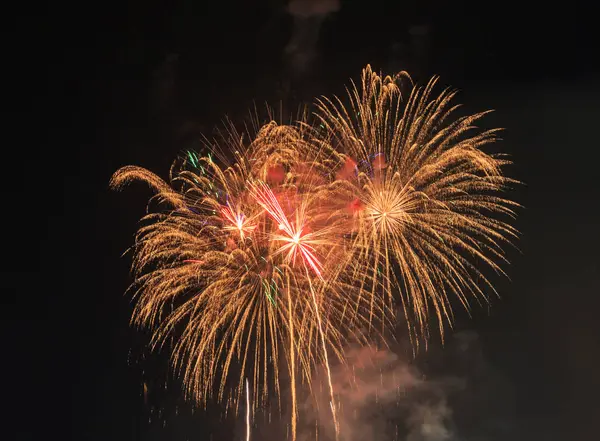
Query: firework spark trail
(247, 411)
(326, 357)
(295, 244)
(292, 367)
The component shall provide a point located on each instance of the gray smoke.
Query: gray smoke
(448, 395)
(308, 16)
(382, 397)
(311, 8)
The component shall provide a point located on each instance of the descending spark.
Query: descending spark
(247, 411)
(292, 368)
(326, 356)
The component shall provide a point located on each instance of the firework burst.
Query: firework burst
(274, 251)
(240, 269)
(425, 198)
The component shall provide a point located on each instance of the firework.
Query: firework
(425, 198)
(237, 265)
(274, 251)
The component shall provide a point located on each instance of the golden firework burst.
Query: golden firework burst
(426, 198)
(274, 251)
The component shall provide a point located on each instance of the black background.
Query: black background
(79, 90)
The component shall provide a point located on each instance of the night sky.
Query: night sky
(95, 86)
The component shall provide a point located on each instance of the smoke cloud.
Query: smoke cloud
(449, 395)
(308, 16)
(310, 8)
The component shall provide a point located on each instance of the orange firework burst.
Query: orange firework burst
(242, 271)
(424, 195)
(287, 245)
